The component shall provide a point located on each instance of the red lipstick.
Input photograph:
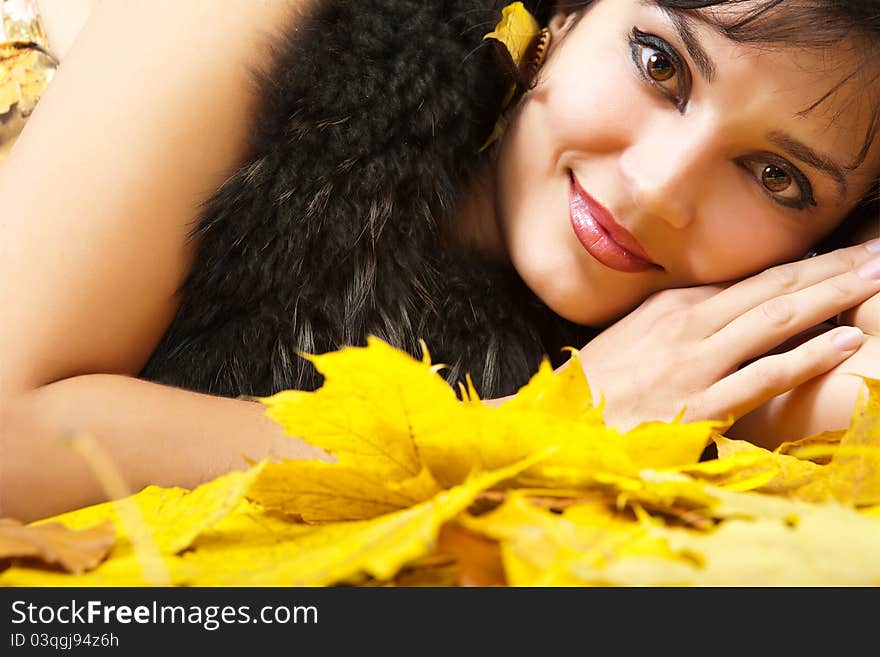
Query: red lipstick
(602, 237)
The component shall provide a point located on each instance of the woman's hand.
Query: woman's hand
(866, 315)
(702, 349)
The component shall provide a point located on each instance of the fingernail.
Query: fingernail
(870, 270)
(873, 246)
(847, 338)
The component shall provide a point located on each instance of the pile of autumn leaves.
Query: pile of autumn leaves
(430, 490)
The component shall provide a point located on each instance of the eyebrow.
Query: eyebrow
(807, 155)
(783, 140)
(696, 51)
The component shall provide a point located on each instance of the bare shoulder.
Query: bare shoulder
(62, 21)
(148, 114)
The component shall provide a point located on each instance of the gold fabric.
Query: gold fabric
(26, 67)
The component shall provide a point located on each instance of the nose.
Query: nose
(666, 168)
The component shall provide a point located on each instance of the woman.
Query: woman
(664, 86)
(679, 158)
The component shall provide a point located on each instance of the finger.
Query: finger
(753, 385)
(774, 321)
(724, 307)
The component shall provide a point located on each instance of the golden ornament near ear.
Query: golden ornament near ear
(526, 44)
(537, 54)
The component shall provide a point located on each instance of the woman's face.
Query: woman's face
(710, 168)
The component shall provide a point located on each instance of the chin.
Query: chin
(570, 305)
(554, 267)
(590, 318)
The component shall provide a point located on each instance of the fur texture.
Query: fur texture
(372, 115)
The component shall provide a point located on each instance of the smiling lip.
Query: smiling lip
(602, 237)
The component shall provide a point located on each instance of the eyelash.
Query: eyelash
(639, 40)
(805, 189)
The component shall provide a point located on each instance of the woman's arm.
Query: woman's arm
(154, 434)
(147, 116)
(62, 20)
(825, 403)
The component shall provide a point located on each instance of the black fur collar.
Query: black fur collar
(373, 114)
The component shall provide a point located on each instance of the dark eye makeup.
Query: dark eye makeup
(784, 183)
(664, 65)
(660, 65)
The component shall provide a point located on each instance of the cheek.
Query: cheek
(739, 237)
(588, 104)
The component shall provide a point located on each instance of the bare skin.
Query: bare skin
(63, 20)
(83, 314)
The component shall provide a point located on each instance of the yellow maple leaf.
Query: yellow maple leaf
(385, 416)
(660, 445)
(577, 547)
(785, 543)
(332, 553)
(373, 401)
(854, 471)
(116, 570)
(564, 394)
(172, 516)
(661, 491)
(331, 492)
(605, 509)
(743, 466)
(764, 541)
(475, 438)
(821, 445)
(150, 525)
(516, 30)
(554, 409)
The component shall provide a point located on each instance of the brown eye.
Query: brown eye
(775, 179)
(785, 185)
(659, 67)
